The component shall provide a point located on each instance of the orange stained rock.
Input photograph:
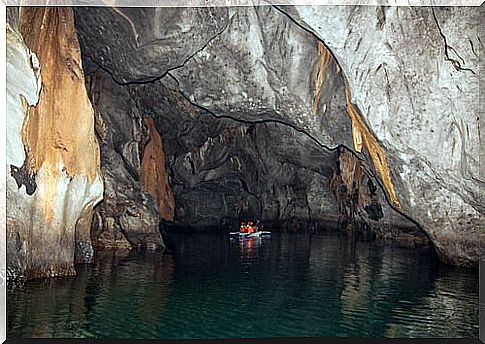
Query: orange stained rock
(351, 171)
(154, 175)
(363, 137)
(319, 72)
(58, 133)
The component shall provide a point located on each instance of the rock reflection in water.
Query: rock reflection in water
(286, 285)
(119, 290)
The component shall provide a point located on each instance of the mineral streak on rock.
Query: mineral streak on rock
(60, 127)
(319, 72)
(421, 105)
(153, 175)
(363, 137)
(59, 131)
(61, 158)
(350, 189)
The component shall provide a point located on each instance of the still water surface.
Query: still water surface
(288, 285)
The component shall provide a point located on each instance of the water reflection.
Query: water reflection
(286, 285)
(115, 293)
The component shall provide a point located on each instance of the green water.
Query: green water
(289, 285)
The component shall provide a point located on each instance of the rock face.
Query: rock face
(143, 38)
(272, 70)
(303, 117)
(153, 173)
(275, 71)
(223, 170)
(363, 119)
(413, 72)
(52, 153)
(256, 142)
(128, 217)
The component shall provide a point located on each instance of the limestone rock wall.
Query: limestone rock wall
(255, 109)
(153, 174)
(143, 38)
(222, 170)
(413, 73)
(129, 216)
(52, 153)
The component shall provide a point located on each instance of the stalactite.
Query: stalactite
(361, 135)
(60, 152)
(347, 183)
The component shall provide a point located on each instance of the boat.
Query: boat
(260, 234)
(250, 230)
(250, 235)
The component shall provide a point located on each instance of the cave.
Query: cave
(132, 130)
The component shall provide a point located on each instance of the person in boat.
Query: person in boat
(247, 227)
(242, 227)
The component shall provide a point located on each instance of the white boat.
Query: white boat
(250, 235)
(259, 234)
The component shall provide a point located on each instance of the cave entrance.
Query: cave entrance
(222, 135)
(165, 158)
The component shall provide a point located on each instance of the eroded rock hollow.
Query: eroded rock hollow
(197, 118)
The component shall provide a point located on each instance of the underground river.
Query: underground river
(288, 285)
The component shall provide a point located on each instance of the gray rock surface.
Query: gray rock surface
(265, 67)
(413, 72)
(252, 111)
(255, 76)
(128, 216)
(22, 84)
(253, 141)
(224, 170)
(148, 42)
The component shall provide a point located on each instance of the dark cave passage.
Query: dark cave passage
(235, 161)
